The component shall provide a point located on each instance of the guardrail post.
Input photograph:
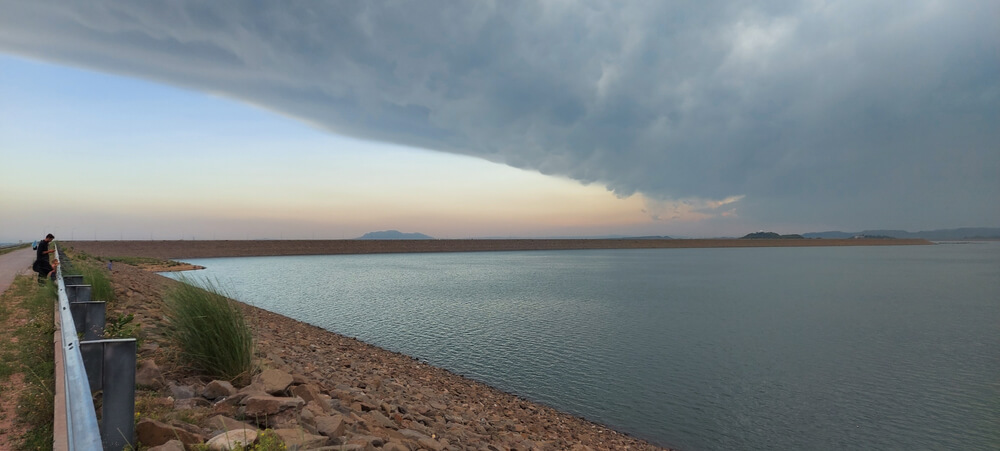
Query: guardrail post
(110, 368)
(89, 318)
(78, 293)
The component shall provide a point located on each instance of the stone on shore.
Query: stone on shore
(224, 423)
(218, 389)
(430, 444)
(154, 433)
(182, 391)
(148, 374)
(395, 446)
(173, 445)
(297, 438)
(274, 381)
(190, 403)
(263, 405)
(309, 393)
(234, 439)
(331, 426)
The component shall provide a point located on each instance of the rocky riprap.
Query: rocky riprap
(321, 390)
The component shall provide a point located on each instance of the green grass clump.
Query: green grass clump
(100, 283)
(210, 331)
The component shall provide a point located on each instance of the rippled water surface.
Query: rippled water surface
(698, 349)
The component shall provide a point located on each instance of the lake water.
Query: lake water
(698, 349)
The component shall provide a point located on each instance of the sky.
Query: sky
(230, 120)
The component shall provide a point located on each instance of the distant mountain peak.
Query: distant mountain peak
(393, 235)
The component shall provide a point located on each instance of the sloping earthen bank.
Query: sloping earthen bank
(323, 389)
(238, 248)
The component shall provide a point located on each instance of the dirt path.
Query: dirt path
(14, 263)
(11, 264)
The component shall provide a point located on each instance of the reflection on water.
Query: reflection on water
(760, 348)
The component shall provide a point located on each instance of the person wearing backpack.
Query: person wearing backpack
(42, 265)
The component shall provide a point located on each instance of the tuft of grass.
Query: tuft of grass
(94, 273)
(100, 283)
(210, 330)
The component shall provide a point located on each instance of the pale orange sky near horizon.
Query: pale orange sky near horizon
(176, 164)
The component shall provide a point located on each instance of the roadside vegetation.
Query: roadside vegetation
(210, 331)
(95, 274)
(7, 249)
(27, 368)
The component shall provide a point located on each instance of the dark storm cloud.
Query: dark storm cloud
(853, 113)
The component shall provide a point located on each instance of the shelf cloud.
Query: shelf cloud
(854, 113)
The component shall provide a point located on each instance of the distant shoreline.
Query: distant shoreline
(259, 248)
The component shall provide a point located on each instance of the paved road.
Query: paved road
(14, 263)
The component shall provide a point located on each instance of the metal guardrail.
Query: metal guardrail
(81, 419)
(93, 365)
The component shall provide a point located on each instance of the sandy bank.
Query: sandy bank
(255, 248)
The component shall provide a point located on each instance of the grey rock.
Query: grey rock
(218, 389)
(181, 391)
(190, 403)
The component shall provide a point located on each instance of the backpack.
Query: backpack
(34, 245)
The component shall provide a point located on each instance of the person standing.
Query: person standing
(42, 265)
